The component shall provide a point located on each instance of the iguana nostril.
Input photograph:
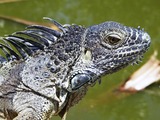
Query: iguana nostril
(146, 37)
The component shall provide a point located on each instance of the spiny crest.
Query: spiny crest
(24, 43)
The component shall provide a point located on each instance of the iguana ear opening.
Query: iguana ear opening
(86, 55)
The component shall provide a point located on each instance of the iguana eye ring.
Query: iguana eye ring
(113, 39)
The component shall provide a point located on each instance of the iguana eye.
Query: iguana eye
(113, 39)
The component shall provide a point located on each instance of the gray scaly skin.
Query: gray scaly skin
(39, 83)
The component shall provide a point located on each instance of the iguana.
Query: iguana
(43, 72)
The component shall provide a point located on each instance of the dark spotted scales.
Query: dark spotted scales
(44, 71)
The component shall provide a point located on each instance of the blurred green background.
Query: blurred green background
(102, 102)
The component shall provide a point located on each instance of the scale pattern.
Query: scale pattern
(43, 72)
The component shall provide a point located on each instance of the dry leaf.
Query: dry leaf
(145, 76)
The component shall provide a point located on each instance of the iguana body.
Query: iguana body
(53, 69)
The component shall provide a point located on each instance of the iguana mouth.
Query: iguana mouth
(139, 59)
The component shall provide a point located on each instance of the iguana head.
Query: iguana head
(107, 47)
